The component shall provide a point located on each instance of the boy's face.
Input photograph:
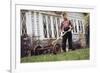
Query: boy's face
(65, 18)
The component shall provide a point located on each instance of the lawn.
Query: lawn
(79, 54)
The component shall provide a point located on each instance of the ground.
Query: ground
(79, 54)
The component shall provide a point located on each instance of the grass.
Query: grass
(80, 54)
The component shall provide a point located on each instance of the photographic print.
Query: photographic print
(45, 36)
(50, 35)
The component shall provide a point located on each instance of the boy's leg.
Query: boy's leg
(64, 42)
(70, 40)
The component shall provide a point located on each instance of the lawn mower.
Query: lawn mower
(53, 47)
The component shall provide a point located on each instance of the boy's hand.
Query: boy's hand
(61, 33)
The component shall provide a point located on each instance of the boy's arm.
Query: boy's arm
(71, 25)
(61, 29)
(61, 26)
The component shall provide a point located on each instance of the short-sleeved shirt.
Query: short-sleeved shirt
(65, 24)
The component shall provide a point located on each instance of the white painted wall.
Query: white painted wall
(29, 23)
(32, 27)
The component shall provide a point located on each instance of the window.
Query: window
(75, 26)
(38, 30)
(23, 22)
(44, 26)
(54, 24)
(49, 27)
(79, 25)
(58, 24)
(32, 18)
